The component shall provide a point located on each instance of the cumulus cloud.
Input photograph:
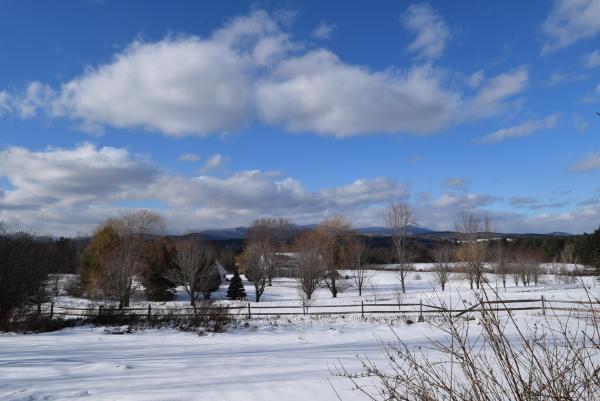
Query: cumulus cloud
(214, 162)
(179, 85)
(527, 128)
(588, 163)
(251, 70)
(65, 191)
(430, 29)
(317, 92)
(68, 191)
(570, 21)
(323, 31)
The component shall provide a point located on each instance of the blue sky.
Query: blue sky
(216, 114)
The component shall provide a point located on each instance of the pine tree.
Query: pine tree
(236, 288)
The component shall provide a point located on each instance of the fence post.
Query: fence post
(249, 311)
(303, 308)
(99, 310)
(149, 311)
(51, 310)
(543, 306)
(421, 311)
(362, 308)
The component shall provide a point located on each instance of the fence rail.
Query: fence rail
(363, 309)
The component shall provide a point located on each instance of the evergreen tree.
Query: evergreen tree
(236, 288)
(157, 257)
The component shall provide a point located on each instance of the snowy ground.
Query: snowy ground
(260, 362)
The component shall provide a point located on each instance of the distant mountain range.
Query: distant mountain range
(238, 233)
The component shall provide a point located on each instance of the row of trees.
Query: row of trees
(333, 245)
(319, 254)
(131, 248)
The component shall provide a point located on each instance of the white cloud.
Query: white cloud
(214, 162)
(317, 92)
(250, 70)
(569, 22)
(492, 98)
(560, 77)
(475, 79)
(189, 157)
(430, 29)
(527, 128)
(179, 85)
(592, 60)
(5, 103)
(65, 191)
(588, 163)
(456, 182)
(323, 31)
(460, 201)
(69, 191)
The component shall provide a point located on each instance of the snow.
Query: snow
(270, 359)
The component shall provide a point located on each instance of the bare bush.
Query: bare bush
(556, 359)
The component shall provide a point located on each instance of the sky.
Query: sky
(217, 113)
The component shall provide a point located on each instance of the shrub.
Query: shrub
(549, 361)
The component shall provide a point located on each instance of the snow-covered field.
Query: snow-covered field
(263, 361)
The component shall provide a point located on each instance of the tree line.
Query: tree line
(133, 251)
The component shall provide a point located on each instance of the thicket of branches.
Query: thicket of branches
(497, 359)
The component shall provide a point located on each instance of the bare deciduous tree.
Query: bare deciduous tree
(124, 261)
(195, 268)
(330, 236)
(398, 218)
(122, 265)
(257, 264)
(311, 266)
(473, 251)
(273, 234)
(443, 266)
(355, 254)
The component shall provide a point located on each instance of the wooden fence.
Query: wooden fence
(252, 311)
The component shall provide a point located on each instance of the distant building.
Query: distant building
(285, 264)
